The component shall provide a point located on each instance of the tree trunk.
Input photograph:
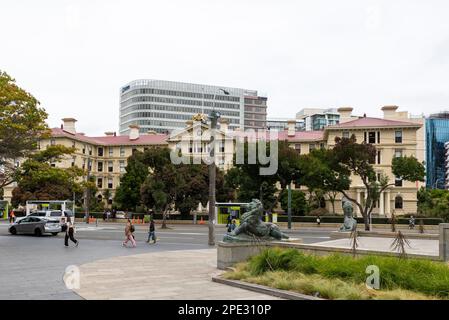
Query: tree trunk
(164, 219)
(366, 220)
(333, 206)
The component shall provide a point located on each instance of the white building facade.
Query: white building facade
(163, 106)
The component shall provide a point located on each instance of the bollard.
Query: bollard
(444, 241)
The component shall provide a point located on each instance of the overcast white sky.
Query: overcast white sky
(75, 55)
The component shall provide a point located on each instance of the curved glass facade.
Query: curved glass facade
(437, 134)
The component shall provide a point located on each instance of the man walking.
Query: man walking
(151, 232)
(69, 233)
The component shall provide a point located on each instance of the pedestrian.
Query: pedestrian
(232, 226)
(318, 220)
(104, 215)
(69, 233)
(129, 230)
(12, 216)
(108, 215)
(151, 232)
(229, 220)
(411, 223)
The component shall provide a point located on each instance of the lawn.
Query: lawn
(343, 277)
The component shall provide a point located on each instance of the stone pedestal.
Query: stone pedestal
(444, 241)
(230, 253)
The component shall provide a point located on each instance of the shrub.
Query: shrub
(424, 276)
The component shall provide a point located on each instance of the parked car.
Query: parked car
(36, 225)
(120, 215)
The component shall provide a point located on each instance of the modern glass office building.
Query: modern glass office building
(163, 106)
(437, 134)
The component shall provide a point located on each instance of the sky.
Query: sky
(74, 56)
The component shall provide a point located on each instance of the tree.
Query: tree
(355, 158)
(434, 203)
(37, 179)
(250, 184)
(127, 194)
(299, 202)
(182, 186)
(22, 124)
(322, 175)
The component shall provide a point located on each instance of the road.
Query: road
(32, 268)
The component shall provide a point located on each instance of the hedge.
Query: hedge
(375, 220)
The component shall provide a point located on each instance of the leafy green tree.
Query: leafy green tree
(248, 182)
(127, 194)
(434, 203)
(22, 124)
(349, 157)
(299, 202)
(37, 179)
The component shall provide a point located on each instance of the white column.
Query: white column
(381, 204)
(388, 208)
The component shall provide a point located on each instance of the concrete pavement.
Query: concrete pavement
(169, 275)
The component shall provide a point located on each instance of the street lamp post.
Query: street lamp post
(214, 116)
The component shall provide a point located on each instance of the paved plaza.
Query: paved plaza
(169, 275)
(33, 268)
(417, 246)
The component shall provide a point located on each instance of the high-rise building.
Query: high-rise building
(317, 119)
(162, 106)
(437, 134)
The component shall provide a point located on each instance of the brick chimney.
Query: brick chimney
(291, 130)
(69, 125)
(224, 124)
(345, 114)
(389, 112)
(134, 132)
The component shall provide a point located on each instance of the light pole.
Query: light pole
(214, 116)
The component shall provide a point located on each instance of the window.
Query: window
(122, 166)
(73, 144)
(100, 183)
(134, 150)
(52, 142)
(190, 148)
(398, 136)
(364, 136)
(378, 136)
(110, 166)
(100, 166)
(110, 185)
(298, 147)
(73, 161)
(398, 182)
(378, 157)
(322, 146)
(312, 147)
(100, 151)
(84, 164)
(222, 146)
(345, 134)
(84, 148)
(398, 153)
(111, 151)
(90, 151)
(122, 151)
(53, 165)
(372, 137)
(398, 202)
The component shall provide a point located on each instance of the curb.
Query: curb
(284, 294)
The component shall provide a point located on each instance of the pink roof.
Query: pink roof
(283, 135)
(144, 139)
(373, 122)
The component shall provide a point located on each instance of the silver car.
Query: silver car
(36, 225)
